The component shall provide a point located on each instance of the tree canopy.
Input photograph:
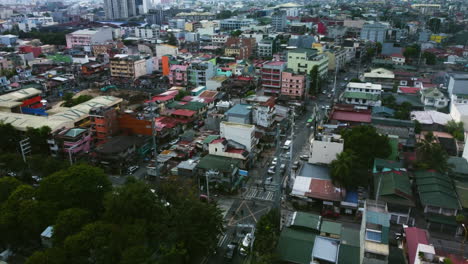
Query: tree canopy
(431, 155)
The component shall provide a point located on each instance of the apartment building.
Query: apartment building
(241, 48)
(148, 32)
(336, 58)
(219, 40)
(266, 48)
(294, 85)
(376, 32)
(278, 21)
(374, 236)
(126, 66)
(235, 23)
(303, 60)
(178, 75)
(199, 72)
(28, 23)
(104, 123)
(271, 77)
(365, 94)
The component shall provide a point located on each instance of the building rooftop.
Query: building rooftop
(436, 189)
(306, 220)
(295, 246)
(240, 109)
(325, 249)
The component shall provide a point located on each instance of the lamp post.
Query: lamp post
(70, 154)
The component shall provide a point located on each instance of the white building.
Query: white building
(219, 40)
(366, 94)
(323, 149)
(152, 32)
(241, 133)
(35, 22)
(88, 37)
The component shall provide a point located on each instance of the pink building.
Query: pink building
(293, 85)
(75, 141)
(87, 37)
(271, 77)
(178, 75)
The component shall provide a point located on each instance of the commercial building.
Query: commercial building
(294, 85)
(303, 60)
(278, 21)
(266, 48)
(88, 37)
(271, 77)
(125, 66)
(219, 40)
(148, 32)
(104, 123)
(28, 23)
(366, 94)
(235, 23)
(375, 32)
(8, 40)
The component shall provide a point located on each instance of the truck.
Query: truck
(287, 144)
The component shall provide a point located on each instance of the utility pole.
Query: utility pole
(291, 148)
(334, 83)
(277, 168)
(153, 135)
(25, 146)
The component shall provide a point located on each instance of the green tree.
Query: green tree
(378, 47)
(370, 52)
(431, 155)
(38, 139)
(181, 94)
(49, 256)
(45, 166)
(9, 141)
(7, 186)
(12, 162)
(341, 170)
(412, 51)
(225, 14)
(430, 58)
(69, 222)
(172, 40)
(266, 236)
(314, 80)
(434, 24)
(456, 129)
(355, 80)
(236, 33)
(366, 144)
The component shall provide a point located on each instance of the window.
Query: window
(394, 218)
(374, 235)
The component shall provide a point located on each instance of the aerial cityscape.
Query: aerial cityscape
(245, 132)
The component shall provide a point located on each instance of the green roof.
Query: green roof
(210, 138)
(306, 220)
(295, 246)
(392, 122)
(194, 106)
(359, 95)
(350, 237)
(460, 165)
(330, 227)
(395, 187)
(219, 163)
(442, 219)
(462, 191)
(436, 189)
(393, 142)
(60, 58)
(383, 164)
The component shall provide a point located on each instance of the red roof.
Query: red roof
(397, 55)
(184, 112)
(409, 90)
(414, 236)
(187, 98)
(324, 190)
(350, 116)
(244, 78)
(219, 140)
(165, 122)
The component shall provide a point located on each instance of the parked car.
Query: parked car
(304, 157)
(269, 180)
(295, 165)
(274, 161)
(132, 169)
(230, 251)
(271, 170)
(283, 168)
(173, 142)
(246, 243)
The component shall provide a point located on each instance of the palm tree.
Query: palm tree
(342, 168)
(431, 155)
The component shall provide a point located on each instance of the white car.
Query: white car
(132, 169)
(274, 161)
(269, 180)
(304, 157)
(271, 170)
(245, 247)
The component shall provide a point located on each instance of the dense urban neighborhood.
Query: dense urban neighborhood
(247, 132)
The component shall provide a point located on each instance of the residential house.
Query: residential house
(104, 123)
(219, 170)
(224, 148)
(366, 94)
(74, 142)
(433, 98)
(398, 59)
(394, 188)
(119, 152)
(336, 58)
(439, 199)
(272, 76)
(263, 110)
(294, 85)
(374, 234)
(402, 129)
(303, 60)
(348, 114)
(417, 245)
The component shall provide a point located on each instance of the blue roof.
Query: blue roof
(382, 110)
(240, 109)
(351, 197)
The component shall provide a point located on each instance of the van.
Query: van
(287, 144)
(246, 243)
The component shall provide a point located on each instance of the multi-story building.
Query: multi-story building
(375, 32)
(271, 77)
(87, 37)
(125, 66)
(241, 133)
(156, 16)
(104, 123)
(73, 142)
(234, 23)
(266, 48)
(27, 24)
(178, 75)
(366, 94)
(278, 21)
(178, 23)
(336, 58)
(374, 233)
(148, 32)
(199, 72)
(219, 40)
(293, 85)
(241, 48)
(115, 9)
(303, 60)
(324, 148)
(196, 16)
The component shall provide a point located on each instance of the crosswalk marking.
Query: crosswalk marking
(260, 194)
